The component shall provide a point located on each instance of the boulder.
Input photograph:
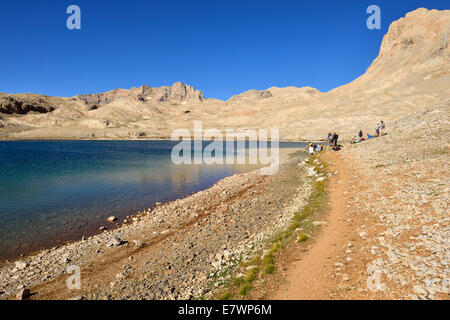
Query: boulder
(23, 294)
(114, 242)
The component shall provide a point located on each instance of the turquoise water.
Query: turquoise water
(54, 191)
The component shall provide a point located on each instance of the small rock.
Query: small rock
(20, 265)
(111, 219)
(114, 242)
(65, 260)
(227, 254)
(139, 243)
(311, 172)
(23, 294)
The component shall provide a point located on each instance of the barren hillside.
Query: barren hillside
(411, 73)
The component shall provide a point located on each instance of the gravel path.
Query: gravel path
(388, 230)
(399, 200)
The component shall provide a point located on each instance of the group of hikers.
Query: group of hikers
(312, 148)
(333, 139)
(379, 131)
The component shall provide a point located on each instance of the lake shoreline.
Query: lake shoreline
(138, 235)
(55, 192)
(145, 139)
(62, 238)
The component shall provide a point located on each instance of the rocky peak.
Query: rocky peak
(182, 92)
(177, 93)
(252, 95)
(414, 44)
(420, 38)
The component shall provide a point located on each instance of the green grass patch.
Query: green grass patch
(268, 259)
(226, 296)
(302, 237)
(297, 230)
(238, 281)
(269, 269)
(252, 275)
(251, 262)
(244, 290)
(275, 248)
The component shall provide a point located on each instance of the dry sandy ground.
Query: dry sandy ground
(306, 276)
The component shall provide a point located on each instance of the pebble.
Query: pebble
(111, 219)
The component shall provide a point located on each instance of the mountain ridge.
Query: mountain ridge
(411, 72)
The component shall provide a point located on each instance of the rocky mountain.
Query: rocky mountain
(177, 93)
(411, 73)
(417, 43)
(274, 92)
(24, 103)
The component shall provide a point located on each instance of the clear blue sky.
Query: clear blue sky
(220, 47)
